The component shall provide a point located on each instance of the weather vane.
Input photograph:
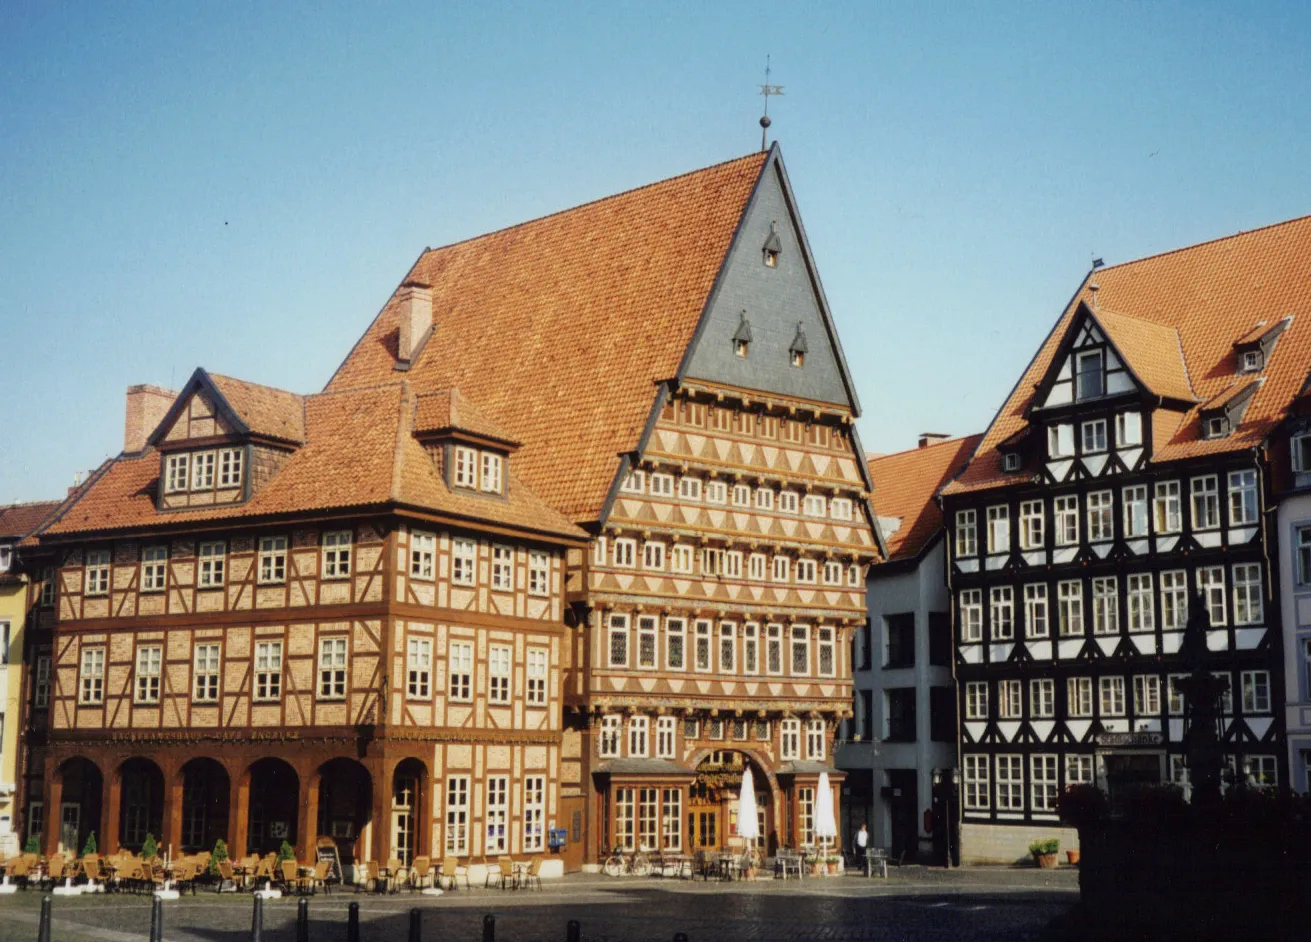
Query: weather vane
(767, 90)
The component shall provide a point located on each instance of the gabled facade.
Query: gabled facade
(1126, 481)
(668, 362)
(284, 617)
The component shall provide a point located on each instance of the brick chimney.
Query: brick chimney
(414, 302)
(932, 438)
(146, 407)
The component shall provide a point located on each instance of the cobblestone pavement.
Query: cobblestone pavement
(915, 904)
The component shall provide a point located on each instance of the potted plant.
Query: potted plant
(832, 860)
(149, 847)
(1073, 857)
(813, 862)
(89, 847)
(1044, 853)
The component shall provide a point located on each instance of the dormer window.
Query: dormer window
(799, 348)
(773, 245)
(1253, 350)
(742, 337)
(1089, 377)
(6, 556)
(202, 471)
(1010, 461)
(477, 470)
(229, 461)
(1215, 427)
(1253, 361)
(491, 476)
(177, 475)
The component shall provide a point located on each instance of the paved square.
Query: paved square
(914, 904)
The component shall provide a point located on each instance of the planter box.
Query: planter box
(1046, 861)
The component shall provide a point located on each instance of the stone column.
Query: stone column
(381, 773)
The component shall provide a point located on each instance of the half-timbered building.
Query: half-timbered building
(1124, 483)
(293, 618)
(667, 358)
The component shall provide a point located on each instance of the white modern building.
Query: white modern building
(903, 731)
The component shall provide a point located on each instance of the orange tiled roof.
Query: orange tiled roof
(267, 411)
(359, 452)
(18, 520)
(1152, 352)
(1211, 294)
(905, 484)
(447, 409)
(560, 328)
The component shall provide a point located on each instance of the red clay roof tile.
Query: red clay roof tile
(1211, 294)
(559, 328)
(904, 487)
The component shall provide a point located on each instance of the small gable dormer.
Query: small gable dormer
(742, 337)
(1253, 350)
(1223, 413)
(1104, 355)
(773, 246)
(799, 348)
(471, 452)
(222, 439)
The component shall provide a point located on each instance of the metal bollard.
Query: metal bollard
(157, 920)
(416, 925)
(573, 932)
(303, 920)
(43, 933)
(489, 928)
(257, 921)
(353, 923)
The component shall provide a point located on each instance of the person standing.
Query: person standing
(862, 845)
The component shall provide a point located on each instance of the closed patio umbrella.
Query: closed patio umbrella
(747, 825)
(826, 825)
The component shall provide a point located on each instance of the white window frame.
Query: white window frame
(539, 573)
(666, 737)
(639, 736)
(1001, 612)
(1211, 585)
(272, 560)
(653, 555)
(1137, 516)
(608, 735)
(967, 534)
(1128, 429)
(617, 641)
(423, 555)
(1037, 616)
(1106, 605)
(500, 670)
(689, 488)
(1042, 782)
(1092, 436)
(202, 471)
(456, 841)
(1256, 692)
(675, 644)
(1140, 597)
(333, 659)
(1010, 699)
(976, 786)
(648, 647)
(97, 572)
(1167, 507)
(148, 666)
(207, 667)
(534, 813)
(418, 666)
(213, 564)
(999, 529)
(625, 553)
(764, 498)
(337, 554)
(634, 482)
(91, 676)
(459, 659)
(1146, 696)
(1069, 608)
(230, 461)
(976, 700)
(538, 674)
(177, 473)
(814, 505)
(662, 485)
(702, 640)
(502, 568)
(1244, 502)
(788, 502)
(1032, 525)
(1042, 698)
(464, 561)
(970, 606)
(1204, 493)
(1009, 769)
(1078, 697)
(1174, 600)
(466, 467)
(267, 684)
(1111, 696)
(1101, 516)
(154, 568)
(789, 738)
(1248, 594)
(1065, 517)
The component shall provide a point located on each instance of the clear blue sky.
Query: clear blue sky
(241, 186)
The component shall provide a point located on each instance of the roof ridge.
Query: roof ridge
(584, 205)
(250, 382)
(955, 439)
(1197, 245)
(372, 387)
(30, 503)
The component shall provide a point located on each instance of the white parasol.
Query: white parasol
(826, 826)
(747, 825)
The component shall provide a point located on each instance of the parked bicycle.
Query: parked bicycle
(619, 863)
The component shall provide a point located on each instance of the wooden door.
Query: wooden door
(572, 821)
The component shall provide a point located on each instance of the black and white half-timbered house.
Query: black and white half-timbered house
(1126, 480)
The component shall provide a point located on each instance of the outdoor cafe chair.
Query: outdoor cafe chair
(420, 872)
(369, 878)
(530, 875)
(451, 873)
(501, 872)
